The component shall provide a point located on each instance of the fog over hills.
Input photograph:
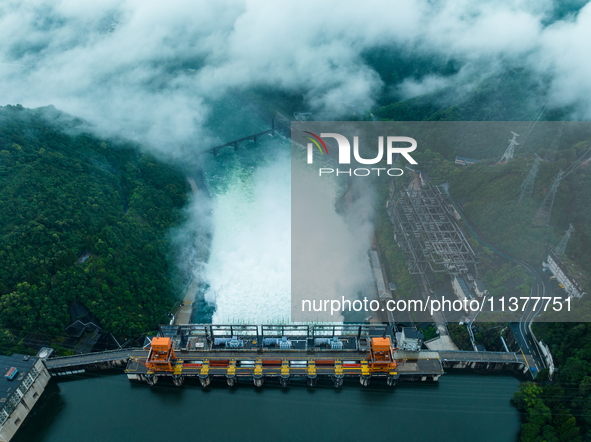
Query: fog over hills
(157, 72)
(152, 69)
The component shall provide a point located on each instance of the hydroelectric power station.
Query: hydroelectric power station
(283, 352)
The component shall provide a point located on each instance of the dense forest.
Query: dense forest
(83, 220)
(560, 411)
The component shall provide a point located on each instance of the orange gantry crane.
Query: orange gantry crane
(161, 356)
(381, 355)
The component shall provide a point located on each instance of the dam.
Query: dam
(280, 354)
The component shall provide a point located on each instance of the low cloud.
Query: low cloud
(150, 69)
(153, 71)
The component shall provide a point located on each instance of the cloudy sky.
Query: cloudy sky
(150, 67)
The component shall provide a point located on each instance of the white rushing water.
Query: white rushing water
(249, 271)
(249, 268)
(248, 274)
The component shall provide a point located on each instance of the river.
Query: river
(107, 407)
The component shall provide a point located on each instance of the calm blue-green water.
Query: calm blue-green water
(109, 408)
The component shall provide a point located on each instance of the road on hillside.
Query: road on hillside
(540, 287)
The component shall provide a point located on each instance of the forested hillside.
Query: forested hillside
(490, 193)
(560, 411)
(83, 220)
(557, 411)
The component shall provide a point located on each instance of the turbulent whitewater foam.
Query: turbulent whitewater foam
(249, 269)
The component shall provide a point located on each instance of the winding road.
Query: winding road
(540, 287)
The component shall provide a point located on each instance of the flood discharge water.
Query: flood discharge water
(249, 268)
(247, 277)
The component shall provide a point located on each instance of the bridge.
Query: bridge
(254, 138)
(92, 361)
(484, 360)
(481, 356)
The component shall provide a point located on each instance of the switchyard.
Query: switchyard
(426, 232)
(280, 352)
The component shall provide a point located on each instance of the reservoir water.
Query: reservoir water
(107, 407)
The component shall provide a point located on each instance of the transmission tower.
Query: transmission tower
(561, 248)
(527, 187)
(508, 155)
(545, 211)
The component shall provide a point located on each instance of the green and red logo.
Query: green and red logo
(316, 140)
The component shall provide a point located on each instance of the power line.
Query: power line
(576, 164)
(530, 128)
(544, 213)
